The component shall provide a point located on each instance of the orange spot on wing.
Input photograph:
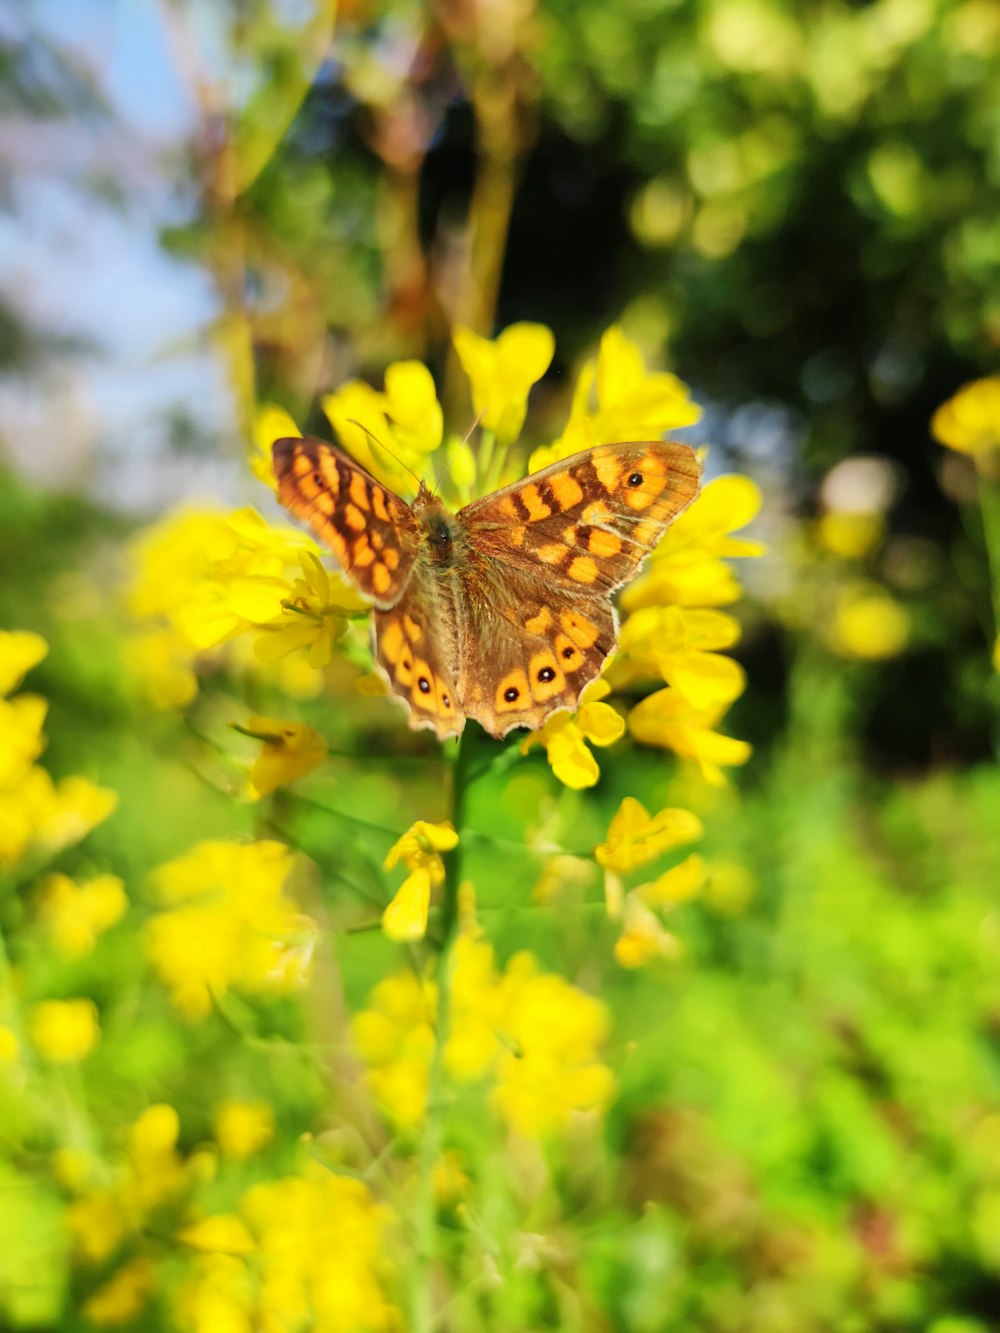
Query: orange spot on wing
(551, 554)
(381, 578)
(391, 641)
(423, 698)
(546, 675)
(391, 557)
(539, 623)
(359, 491)
(361, 552)
(603, 543)
(647, 532)
(583, 632)
(582, 570)
(515, 683)
(641, 497)
(414, 632)
(378, 504)
(354, 518)
(570, 657)
(509, 509)
(535, 505)
(566, 490)
(609, 470)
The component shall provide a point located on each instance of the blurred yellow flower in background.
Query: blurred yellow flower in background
(289, 751)
(243, 1128)
(868, 624)
(635, 837)
(420, 848)
(227, 922)
(406, 418)
(64, 1031)
(270, 423)
(643, 937)
(20, 650)
(547, 1061)
(74, 915)
(124, 1294)
(531, 1035)
(969, 421)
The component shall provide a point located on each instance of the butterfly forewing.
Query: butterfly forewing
(372, 533)
(591, 519)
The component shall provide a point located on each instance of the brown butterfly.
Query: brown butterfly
(501, 612)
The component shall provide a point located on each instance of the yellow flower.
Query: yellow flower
(290, 751)
(243, 1128)
(850, 535)
(163, 663)
(502, 372)
(730, 887)
(10, 1047)
(406, 419)
(123, 1295)
(156, 1172)
(643, 936)
(666, 719)
(20, 650)
(97, 1223)
(635, 837)
(314, 615)
(680, 645)
(676, 885)
(419, 849)
(564, 736)
(212, 575)
(21, 739)
(547, 1066)
(868, 624)
(222, 1233)
(532, 1035)
(75, 914)
(227, 923)
(64, 1031)
(395, 1039)
(632, 403)
(687, 568)
(66, 812)
(322, 1247)
(270, 423)
(970, 420)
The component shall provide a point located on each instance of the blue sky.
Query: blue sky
(78, 266)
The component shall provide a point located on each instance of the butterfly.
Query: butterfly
(501, 612)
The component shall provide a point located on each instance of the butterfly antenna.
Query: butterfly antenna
(375, 440)
(475, 426)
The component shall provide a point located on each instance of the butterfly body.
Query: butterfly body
(501, 612)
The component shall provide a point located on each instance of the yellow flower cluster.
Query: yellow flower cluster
(204, 577)
(531, 1035)
(227, 922)
(636, 839)
(125, 1195)
(36, 813)
(304, 1252)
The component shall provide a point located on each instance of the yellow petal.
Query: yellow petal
(20, 650)
(571, 761)
(600, 723)
(405, 919)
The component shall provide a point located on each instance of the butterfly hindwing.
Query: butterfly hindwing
(373, 534)
(414, 646)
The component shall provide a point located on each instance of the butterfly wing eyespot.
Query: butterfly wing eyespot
(372, 534)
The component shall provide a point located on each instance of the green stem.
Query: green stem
(425, 1317)
(989, 500)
